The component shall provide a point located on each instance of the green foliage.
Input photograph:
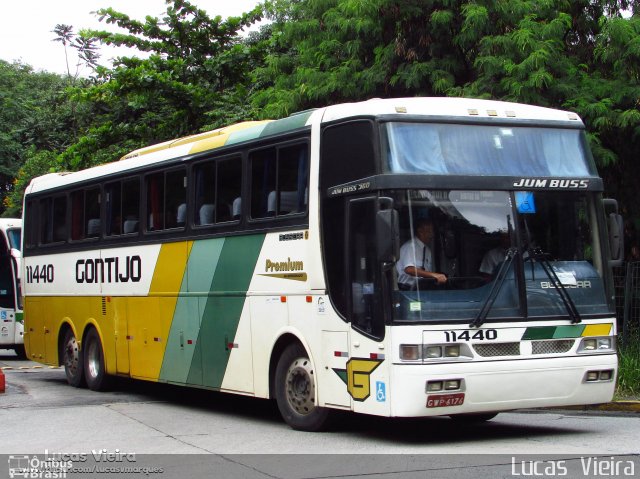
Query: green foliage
(196, 77)
(35, 115)
(629, 370)
(37, 162)
(580, 55)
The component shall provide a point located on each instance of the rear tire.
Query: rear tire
(72, 360)
(21, 352)
(94, 366)
(295, 391)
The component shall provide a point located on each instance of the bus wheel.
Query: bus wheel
(72, 360)
(295, 391)
(20, 351)
(95, 371)
(474, 418)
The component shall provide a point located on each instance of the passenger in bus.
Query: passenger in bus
(495, 256)
(416, 261)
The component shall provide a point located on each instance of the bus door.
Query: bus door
(367, 371)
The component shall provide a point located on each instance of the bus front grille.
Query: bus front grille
(497, 349)
(551, 347)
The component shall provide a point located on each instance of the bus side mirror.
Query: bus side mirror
(616, 233)
(616, 239)
(387, 232)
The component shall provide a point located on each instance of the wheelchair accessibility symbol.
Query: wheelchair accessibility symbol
(525, 202)
(381, 391)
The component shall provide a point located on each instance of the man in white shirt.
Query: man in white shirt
(415, 260)
(495, 256)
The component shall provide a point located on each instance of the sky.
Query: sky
(26, 25)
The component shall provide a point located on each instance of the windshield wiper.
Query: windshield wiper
(538, 255)
(497, 286)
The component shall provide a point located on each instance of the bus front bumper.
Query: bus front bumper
(501, 385)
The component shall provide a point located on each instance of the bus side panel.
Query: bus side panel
(34, 328)
(149, 319)
(119, 308)
(204, 328)
(223, 313)
(182, 362)
(269, 315)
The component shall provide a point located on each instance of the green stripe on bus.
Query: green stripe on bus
(292, 122)
(568, 331)
(221, 314)
(552, 332)
(245, 135)
(180, 362)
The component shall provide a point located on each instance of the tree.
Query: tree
(197, 76)
(35, 116)
(580, 55)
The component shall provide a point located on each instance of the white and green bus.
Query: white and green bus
(262, 259)
(11, 324)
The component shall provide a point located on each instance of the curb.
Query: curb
(614, 406)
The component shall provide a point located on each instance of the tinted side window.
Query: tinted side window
(85, 214)
(53, 220)
(166, 200)
(217, 191)
(279, 181)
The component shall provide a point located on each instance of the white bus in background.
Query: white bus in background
(11, 323)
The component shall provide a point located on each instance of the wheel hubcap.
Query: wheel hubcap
(301, 387)
(71, 356)
(93, 360)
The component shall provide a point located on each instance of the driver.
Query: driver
(415, 260)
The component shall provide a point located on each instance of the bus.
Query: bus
(262, 258)
(11, 320)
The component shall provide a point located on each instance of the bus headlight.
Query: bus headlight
(434, 352)
(597, 345)
(452, 351)
(431, 352)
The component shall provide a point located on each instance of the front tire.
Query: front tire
(72, 360)
(94, 366)
(295, 391)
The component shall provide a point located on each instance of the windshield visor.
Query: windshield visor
(496, 254)
(454, 149)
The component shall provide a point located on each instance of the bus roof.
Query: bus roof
(450, 108)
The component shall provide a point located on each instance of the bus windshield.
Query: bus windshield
(522, 252)
(461, 149)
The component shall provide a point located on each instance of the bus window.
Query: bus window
(85, 214)
(113, 193)
(166, 200)
(130, 205)
(155, 203)
(175, 199)
(228, 189)
(53, 220)
(279, 181)
(205, 177)
(122, 208)
(14, 238)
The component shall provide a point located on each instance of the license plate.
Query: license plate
(445, 400)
